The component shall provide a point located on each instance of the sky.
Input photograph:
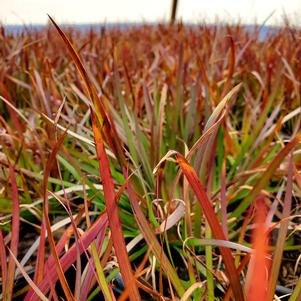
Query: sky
(99, 11)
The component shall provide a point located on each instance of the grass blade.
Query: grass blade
(39, 270)
(92, 92)
(153, 243)
(282, 233)
(257, 276)
(59, 270)
(3, 263)
(28, 279)
(217, 231)
(7, 294)
(112, 210)
(265, 177)
(69, 257)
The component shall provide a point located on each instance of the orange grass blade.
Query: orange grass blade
(257, 277)
(224, 199)
(217, 230)
(112, 211)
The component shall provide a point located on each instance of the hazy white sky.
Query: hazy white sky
(90, 11)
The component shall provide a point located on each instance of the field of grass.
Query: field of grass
(153, 163)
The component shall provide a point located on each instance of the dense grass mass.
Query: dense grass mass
(150, 163)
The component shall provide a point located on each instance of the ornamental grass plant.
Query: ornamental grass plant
(154, 162)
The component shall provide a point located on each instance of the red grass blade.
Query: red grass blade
(109, 130)
(112, 211)
(39, 270)
(3, 263)
(7, 294)
(217, 230)
(69, 257)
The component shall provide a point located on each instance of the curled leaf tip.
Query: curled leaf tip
(167, 157)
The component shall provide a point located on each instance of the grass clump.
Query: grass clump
(152, 163)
